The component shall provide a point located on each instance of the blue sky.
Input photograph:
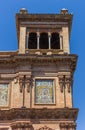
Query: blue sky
(8, 38)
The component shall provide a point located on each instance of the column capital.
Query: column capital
(49, 34)
(27, 34)
(60, 35)
(38, 34)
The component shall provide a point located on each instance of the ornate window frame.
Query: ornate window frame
(54, 88)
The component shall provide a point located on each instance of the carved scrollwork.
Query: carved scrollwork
(65, 81)
(69, 81)
(28, 81)
(20, 82)
(61, 83)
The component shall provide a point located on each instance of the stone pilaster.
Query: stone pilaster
(65, 33)
(22, 40)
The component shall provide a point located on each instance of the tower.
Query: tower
(36, 82)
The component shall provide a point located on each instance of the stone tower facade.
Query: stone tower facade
(36, 82)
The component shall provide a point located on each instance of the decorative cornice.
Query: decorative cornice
(21, 125)
(15, 60)
(50, 114)
(4, 128)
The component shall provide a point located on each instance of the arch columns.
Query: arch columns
(38, 40)
(49, 40)
(27, 40)
(61, 41)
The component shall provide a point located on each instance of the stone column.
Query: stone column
(27, 40)
(61, 42)
(49, 38)
(65, 34)
(38, 39)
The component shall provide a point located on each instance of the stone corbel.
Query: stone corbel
(61, 83)
(21, 82)
(28, 82)
(69, 83)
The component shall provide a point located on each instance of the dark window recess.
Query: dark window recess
(43, 41)
(55, 41)
(32, 41)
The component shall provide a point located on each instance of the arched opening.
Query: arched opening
(55, 41)
(32, 41)
(43, 41)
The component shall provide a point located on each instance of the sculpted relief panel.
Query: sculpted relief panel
(44, 91)
(3, 95)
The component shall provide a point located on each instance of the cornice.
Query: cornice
(40, 114)
(17, 59)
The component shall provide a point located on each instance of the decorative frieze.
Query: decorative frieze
(23, 125)
(44, 113)
(68, 126)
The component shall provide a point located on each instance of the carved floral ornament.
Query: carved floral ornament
(65, 81)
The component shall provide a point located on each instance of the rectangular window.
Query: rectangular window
(3, 95)
(44, 91)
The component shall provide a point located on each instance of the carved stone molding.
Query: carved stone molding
(17, 59)
(44, 128)
(68, 125)
(3, 128)
(25, 113)
(21, 125)
(61, 83)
